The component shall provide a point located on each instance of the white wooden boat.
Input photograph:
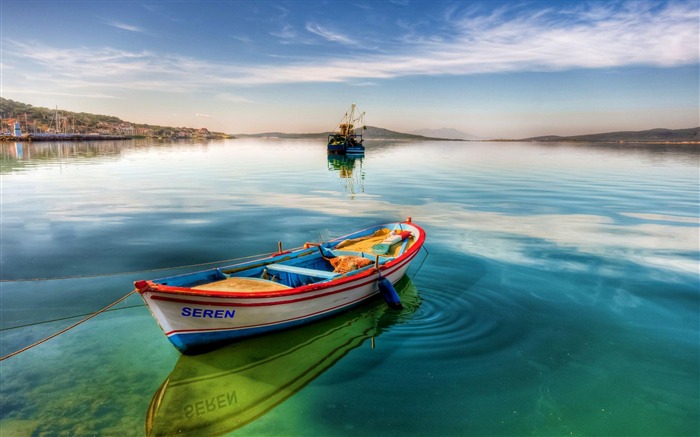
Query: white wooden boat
(203, 310)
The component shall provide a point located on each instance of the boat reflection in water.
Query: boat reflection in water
(349, 169)
(221, 391)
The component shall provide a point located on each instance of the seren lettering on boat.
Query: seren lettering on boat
(209, 405)
(211, 314)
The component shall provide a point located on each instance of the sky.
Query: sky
(489, 68)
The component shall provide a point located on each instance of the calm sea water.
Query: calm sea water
(558, 294)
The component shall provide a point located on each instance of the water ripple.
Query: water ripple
(449, 323)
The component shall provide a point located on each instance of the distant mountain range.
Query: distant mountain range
(691, 135)
(445, 132)
(370, 133)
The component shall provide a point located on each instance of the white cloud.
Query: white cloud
(504, 41)
(125, 26)
(329, 35)
(286, 35)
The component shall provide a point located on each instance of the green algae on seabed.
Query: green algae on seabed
(76, 384)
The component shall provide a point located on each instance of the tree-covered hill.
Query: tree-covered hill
(42, 119)
(38, 120)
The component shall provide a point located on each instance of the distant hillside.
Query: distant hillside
(35, 119)
(377, 133)
(691, 135)
(283, 135)
(448, 133)
(371, 133)
(45, 118)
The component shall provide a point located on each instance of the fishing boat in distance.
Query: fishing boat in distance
(203, 310)
(347, 136)
(223, 390)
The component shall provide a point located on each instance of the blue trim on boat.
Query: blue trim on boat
(350, 144)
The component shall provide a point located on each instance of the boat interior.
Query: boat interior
(313, 264)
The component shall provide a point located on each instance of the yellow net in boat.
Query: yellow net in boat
(364, 244)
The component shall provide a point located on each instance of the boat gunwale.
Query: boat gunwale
(383, 270)
(267, 297)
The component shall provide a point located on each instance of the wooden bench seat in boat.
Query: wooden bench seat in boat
(242, 284)
(300, 271)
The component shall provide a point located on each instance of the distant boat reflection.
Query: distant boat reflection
(349, 168)
(221, 391)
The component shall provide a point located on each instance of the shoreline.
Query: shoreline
(664, 142)
(103, 137)
(62, 137)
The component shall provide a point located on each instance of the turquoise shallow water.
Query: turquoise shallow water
(558, 294)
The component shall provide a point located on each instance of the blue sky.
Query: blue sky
(503, 69)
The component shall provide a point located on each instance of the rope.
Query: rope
(110, 305)
(43, 322)
(423, 261)
(66, 329)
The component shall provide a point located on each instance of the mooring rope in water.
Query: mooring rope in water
(113, 303)
(421, 263)
(60, 319)
(68, 328)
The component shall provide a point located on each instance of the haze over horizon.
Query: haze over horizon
(486, 68)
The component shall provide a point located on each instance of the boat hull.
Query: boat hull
(348, 145)
(199, 320)
(192, 323)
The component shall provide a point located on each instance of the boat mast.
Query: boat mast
(350, 120)
(349, 123)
